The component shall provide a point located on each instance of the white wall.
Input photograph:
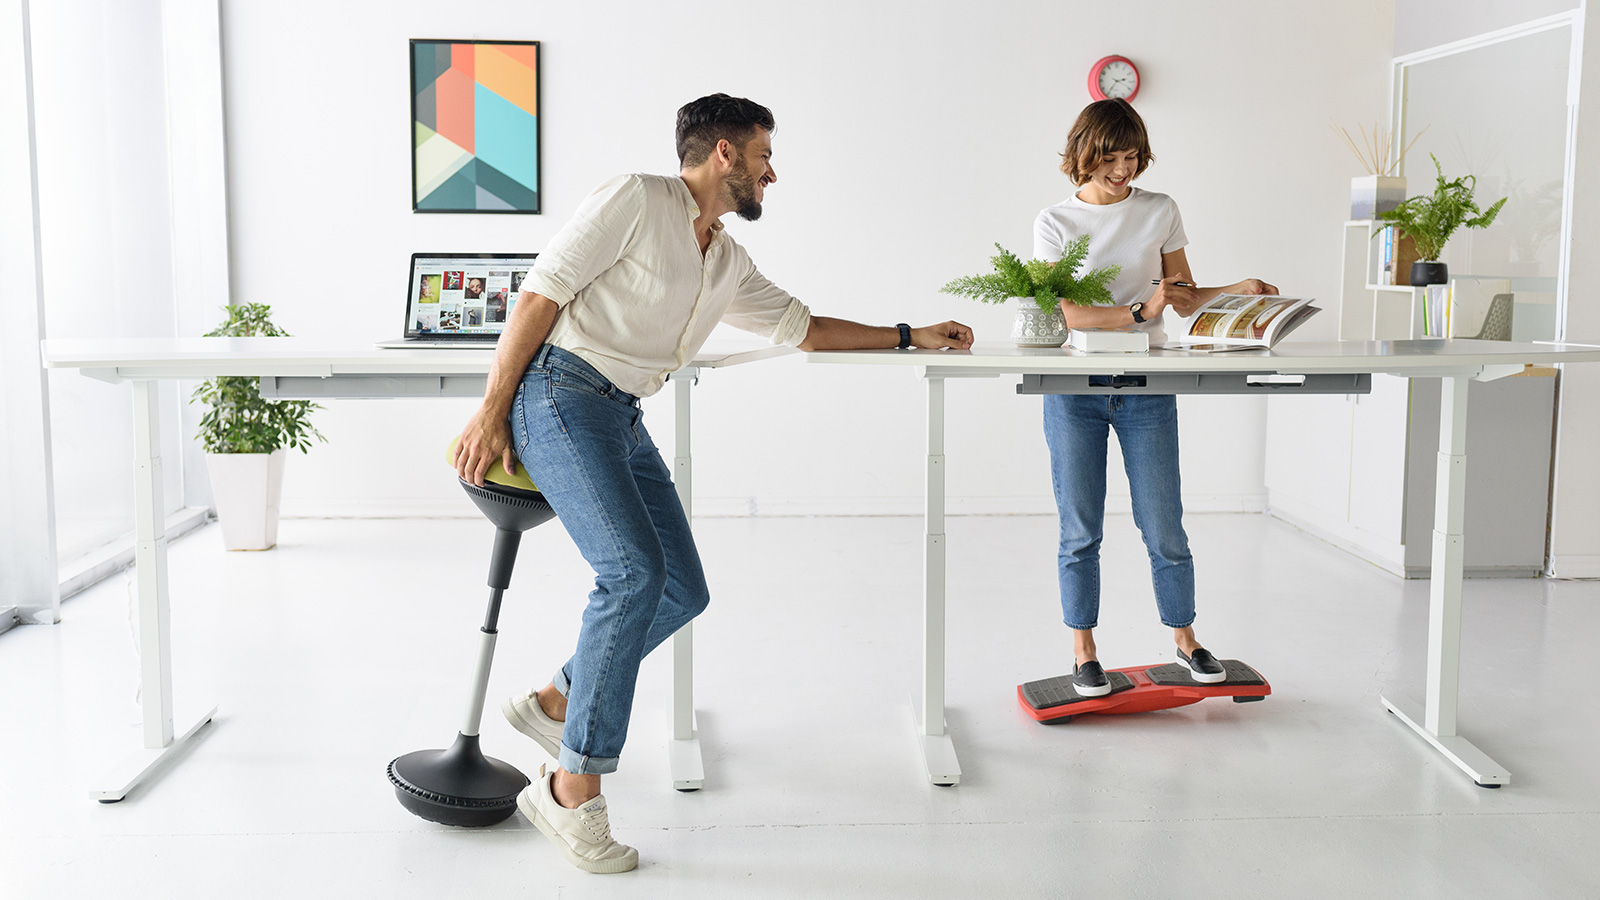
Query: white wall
(1420, 24)
(911, 136)
(1575, 509)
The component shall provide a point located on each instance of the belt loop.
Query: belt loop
(541, 358)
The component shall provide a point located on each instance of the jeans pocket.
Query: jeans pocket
(577, 380)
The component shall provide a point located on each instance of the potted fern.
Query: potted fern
(1036, 288)
(1430, 221)
(246, 437)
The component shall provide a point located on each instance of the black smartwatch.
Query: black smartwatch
(905, 336)
(1136, 308)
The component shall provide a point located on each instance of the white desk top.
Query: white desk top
(116, 359)
(1417, 358)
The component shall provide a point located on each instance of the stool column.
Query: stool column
(500, 564)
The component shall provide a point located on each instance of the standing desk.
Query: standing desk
(308, 368)
(1322, 367)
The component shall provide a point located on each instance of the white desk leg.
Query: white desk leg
(938, 750)
(150, 574)
(684, 761)
(1437, 723)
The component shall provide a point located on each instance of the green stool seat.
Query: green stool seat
(497, 474)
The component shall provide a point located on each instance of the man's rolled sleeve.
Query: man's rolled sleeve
(763, 308)
(591, 241)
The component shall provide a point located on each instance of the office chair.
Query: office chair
(1496, 322)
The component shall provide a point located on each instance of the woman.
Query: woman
(1142, 232)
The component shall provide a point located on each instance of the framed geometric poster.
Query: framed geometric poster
(474, 126)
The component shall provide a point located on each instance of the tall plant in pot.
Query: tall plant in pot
(1036, 288)
(1430, 221)
(246, 437)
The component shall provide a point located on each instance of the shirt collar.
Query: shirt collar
(690, 207)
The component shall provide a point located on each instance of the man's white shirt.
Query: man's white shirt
(637, 298)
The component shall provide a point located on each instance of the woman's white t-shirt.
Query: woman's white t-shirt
(1131, 233)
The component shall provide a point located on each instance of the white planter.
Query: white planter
(247, 488)
(1033, 328)
(1373, 194)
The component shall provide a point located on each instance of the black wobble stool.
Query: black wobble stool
(459, 785)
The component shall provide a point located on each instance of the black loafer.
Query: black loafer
(1089, 680)
(1203, 667)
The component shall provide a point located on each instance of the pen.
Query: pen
(1174, 284)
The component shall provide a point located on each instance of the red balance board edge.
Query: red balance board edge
(1139, 689)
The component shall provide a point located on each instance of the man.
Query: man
(626, 293)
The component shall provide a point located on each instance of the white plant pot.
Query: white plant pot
(1373, 194)
(247, 488)
(1032, 327)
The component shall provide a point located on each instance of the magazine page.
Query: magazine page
(1287, 320)
(1245, 319)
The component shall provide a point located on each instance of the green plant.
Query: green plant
(1429, 221)
(240, 420)
(1046, 282)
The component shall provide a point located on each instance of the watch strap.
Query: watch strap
(905, 336)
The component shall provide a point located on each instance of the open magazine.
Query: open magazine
(1242, 322)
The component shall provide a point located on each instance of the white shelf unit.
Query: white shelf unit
(1358, 471)
(1368, 310)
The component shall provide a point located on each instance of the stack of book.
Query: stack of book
(1395, 256)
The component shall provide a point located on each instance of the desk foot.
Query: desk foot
(1469, 759)
(683, 759)
(938, 751)
(136, 766)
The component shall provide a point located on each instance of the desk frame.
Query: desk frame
(1341, 367)
(300, 369)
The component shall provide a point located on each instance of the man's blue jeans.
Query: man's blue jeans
(1076, 426)
(584, 444)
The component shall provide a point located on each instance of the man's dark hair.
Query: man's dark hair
(703, 122)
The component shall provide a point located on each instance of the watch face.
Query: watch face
(1118, 79)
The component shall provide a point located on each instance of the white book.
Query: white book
(1108, 340)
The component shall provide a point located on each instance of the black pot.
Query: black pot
(1426, 273)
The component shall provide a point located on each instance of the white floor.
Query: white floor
(351, 643)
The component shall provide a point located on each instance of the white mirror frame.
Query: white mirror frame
(1572, 20)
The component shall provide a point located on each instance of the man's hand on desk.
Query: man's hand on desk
(485, 438)
(952, 335)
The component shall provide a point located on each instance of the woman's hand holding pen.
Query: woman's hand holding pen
(1174, 292)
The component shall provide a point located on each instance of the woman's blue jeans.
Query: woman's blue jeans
(1076, 426)
(584, 444)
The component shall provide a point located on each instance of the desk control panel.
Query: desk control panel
(1197, 383)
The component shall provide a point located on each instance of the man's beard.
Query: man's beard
(742, 189)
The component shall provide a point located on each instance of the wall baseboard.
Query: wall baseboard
(1574, 566)
(101, 563)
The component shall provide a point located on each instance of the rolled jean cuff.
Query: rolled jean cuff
(561, 684)
(578, 764)
(1184, 625)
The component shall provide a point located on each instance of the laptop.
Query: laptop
(460, 299)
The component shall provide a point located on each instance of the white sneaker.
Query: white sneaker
(527, 716)
(583, 835)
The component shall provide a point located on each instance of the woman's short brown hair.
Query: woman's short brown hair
(1104, 126)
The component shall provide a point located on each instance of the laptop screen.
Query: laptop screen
(463, 295)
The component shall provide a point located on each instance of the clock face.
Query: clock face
(1118, 79)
